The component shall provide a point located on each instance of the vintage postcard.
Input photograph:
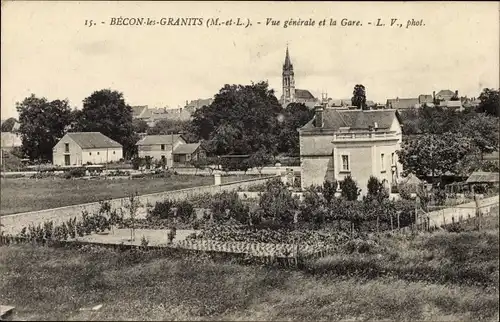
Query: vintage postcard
(264, 160)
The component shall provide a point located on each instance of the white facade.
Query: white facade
(68, 152)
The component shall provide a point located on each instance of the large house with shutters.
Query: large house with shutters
(81, 148)
(361, 143)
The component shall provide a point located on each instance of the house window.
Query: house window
(90, 153)
(345, 163)
(66, 147)
(392, 159)
(382, 163)
(113, 152)
(97, 153)
(163, 147)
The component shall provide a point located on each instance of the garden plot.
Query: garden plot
(155, 237)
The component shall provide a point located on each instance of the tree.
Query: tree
(483, 131)
(329, 190)
(376, 189)
(433, 154)
(294, 116)
(359, 97)
(349, 189)
(42, 124)
(140, 126)
(242, 119)
(8, 124)
(490, 102)
(277, 203)
(259, 160)
(105, 111)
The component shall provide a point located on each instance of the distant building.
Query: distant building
(10, 141)
(160, 147)
(290, 93)
(153, 115)
(80, 148)
(194, 105)
(445, 95)
(360, 143)
(402, 103)
(185, 153)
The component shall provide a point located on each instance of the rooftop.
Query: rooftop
(159, 139)
(90, 140)
(186, 148)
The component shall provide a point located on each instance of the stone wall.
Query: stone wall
(12, 224)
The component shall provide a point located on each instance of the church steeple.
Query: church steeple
(288, 80)
(288, 63)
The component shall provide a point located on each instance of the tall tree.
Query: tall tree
(490, 101)
(359, 97)
(140, 126)
(8, 124)
(294, 116)
(433, 154)
(105, 111)
(242, 119)
(483, 131)
(42, 124)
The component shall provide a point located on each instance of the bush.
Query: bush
(227, 205)
(185, 211)
(75, 173)
(376, 189)
(161, 210)
(277, 203)
(350, 190)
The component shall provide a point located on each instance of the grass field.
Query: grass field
(48, 283)
(21, 195)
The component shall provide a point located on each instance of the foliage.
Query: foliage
(258, 160)
(329, 190)
(349, 189)
(376, 189)
(161, 210)
(167, 126)
(359, 97)
(185, 211)
(240, 120)
(105, 111)
(277, 203)
(140, 126)
(75, 173)
(137, 162)
(8, 124)
(148, 161)
(171, 234)
(42, 124)
(233, 164)
(144, 241)
(226, 206)
(294, 116)
(433, 154)
(483, 131)
(313, 207)
(490, 102)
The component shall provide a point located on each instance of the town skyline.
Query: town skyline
(70, 61)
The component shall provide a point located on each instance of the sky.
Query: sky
(47, 50)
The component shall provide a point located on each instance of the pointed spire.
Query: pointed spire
(288, 62)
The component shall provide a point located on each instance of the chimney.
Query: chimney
(456, 93)
(318, 112)
(187, 103)
(434, 94)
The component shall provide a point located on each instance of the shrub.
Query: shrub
(185, 211)
(350, 190)
(376, 189)
(161, 210)
(329, 190)
(405, 191)
(277, 203)
(75, 173)
(226, 206)
(171, 234)
(144, 241)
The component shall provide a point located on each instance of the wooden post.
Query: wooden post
(399, 227)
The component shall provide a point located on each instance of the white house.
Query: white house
(359, 143)
(80, 148)
(159, 146)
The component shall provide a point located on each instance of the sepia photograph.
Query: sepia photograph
(249, 161)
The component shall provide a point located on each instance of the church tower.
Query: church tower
(288, 81)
